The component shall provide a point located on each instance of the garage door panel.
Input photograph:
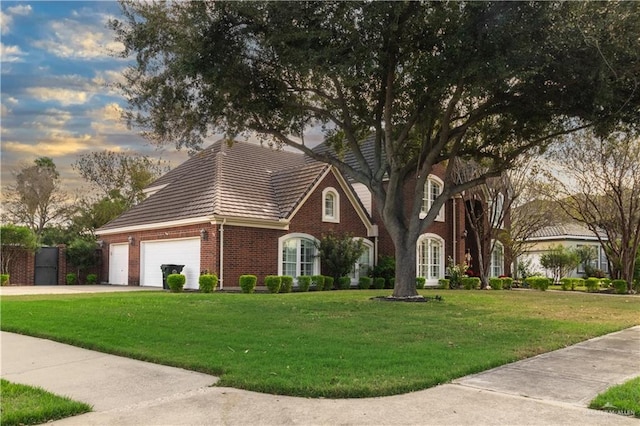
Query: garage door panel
(119, 264)
(180, 252)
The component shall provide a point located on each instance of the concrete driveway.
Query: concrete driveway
(549, 389)
(26, 290)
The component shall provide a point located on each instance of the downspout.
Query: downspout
(221, 271)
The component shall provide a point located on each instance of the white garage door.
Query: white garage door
(119, 264)
(179, 252)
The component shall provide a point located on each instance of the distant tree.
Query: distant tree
(36, 199)
(16, 240)
(602, 192)
(339, 253)
(560, 261)
(81, 253)
(587, 255)
(91, 215)
(427, 81)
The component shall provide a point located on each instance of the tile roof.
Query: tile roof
(244, 180)
(564, 231)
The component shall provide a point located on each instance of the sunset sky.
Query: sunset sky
(56, 97)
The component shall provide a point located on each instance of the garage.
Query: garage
(119, 264)
(180, 252)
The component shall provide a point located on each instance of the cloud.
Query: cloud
(57, 144)
(64, 97)
(6, 19)
(108, 120)
(11, 53)
(21, 9)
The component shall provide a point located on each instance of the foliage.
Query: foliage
(318, 282)
(420, 282)
(82, 254)
(567, 284)
(286, 285)
(328, 283)
(621, 399)
(507, 282)
(71, 278)
(304, 282)
(592, 284)
(15, 240)
(273, 283)
(385, 268)
(559, 260)
(344, 283)
(444, 283)
(27, 405)
(378, 283)
(248, 283)
(495, 283)
(338, 253)
(207, 282)
(364, 283)
(4, 279)
(538, 283)
(470, 283)
(586, 256)
(92, 278)
(456, 272)
(620, 286)
(176, 282)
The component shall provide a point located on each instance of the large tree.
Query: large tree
(429, 81)
(600, 188)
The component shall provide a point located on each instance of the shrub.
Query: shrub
(207, 282)
(304, 282)
(286, 284)
(92, 278)
(318, 282)
(176, 282)
(495, 283)
(470, 283)
(390, 283)
(344, 283)
(386, 268)
(592, 284)
(566, 283)
(273, 283)
(444, 283)
(420, 282)
(328, 283)
(378, 283)
(71, 278)
(507, 282)
(575, 282)
(4, 279)
(620, 286)
(364, 283)
(247, 283)
(538, 282)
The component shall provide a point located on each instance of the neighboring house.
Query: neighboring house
(569, 235)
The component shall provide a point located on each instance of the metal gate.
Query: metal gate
(46, 271)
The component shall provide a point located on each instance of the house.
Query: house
(570, 235)
(249, 209)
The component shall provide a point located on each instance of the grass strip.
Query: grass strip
(27, 405)
(337, 344)
(622, 399)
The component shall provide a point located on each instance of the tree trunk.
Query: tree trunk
(405, 284)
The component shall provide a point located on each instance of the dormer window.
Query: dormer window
(432, 189)
(330, 205)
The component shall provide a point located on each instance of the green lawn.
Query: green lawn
(327, 344)
(623, 399)
(26, 405)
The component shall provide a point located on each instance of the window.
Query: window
(365, 263)
(497, 260)
(432, 189)
(604, 263)
(330, 205)
(496, 207)
(430, 258)
(298, 255)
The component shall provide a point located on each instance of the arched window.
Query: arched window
(297, 255)
(330, 205)
(430, 258)
(365, 263)
(497, 260)
(432, 189)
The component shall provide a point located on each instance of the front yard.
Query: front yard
(327, 344)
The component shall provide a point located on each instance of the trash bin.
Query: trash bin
(168, 269)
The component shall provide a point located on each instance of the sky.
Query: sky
(57, 71)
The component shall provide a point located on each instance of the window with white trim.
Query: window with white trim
(330, 205)
(432, 189)
(297, 255)
(364, 263)
(497, 260)
(604, 262)
(430, 258)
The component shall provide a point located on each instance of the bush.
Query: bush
(444, 283)
(507, 282)
(471, 283)
(92, 278)
(566, 283)
(176, 282)
(318, 282)
(386, 268)
(273, 283)
(4, 279)
(71, 278)
(328, 283)
(420, 282)
(575, 282)
(378, 283)
(364, 283)
(344, 283)
(537, 282)
(620, 286)
(207, 282)
(287, 284)
(304, 282)
(592, 284)
(390, 283)
(495, 283)
(247, 283)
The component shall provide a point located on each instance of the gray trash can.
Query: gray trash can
(168, 269)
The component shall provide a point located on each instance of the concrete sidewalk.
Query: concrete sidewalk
(549, 389)
(30, 290)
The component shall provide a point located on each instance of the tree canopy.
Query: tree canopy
(428, 81)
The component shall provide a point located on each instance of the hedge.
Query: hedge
(318, 282)
(364, 283)
(304, 282)
(273, 283)
(248, 283)
(287, 284)
(176, 282)
(207, 282)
